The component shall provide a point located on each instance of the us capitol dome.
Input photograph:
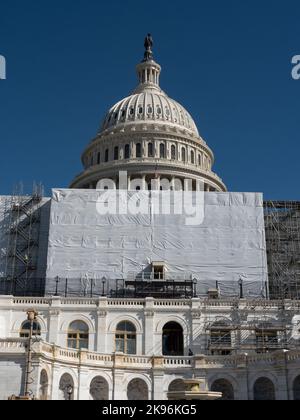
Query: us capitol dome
(151, 136)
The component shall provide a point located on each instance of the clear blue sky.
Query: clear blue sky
(228, 62)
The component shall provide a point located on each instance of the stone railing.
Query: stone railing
(120, 360)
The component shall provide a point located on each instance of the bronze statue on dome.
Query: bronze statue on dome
(148, 47)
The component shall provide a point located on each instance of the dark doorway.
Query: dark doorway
(172, 340)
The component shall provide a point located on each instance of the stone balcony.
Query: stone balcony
(47, 352)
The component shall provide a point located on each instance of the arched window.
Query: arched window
(177, 385)
(162, 151)
(264, 390)
(199, 160)
(150, 149)
(116, 153)
(78, 335)
(173, 152)
(137, 390)
(172, 340)
(44, 386)
(99, 390)
(193, 157)
(296, 389)
(98, 158)
(126, 338)
(127, 151)
(66, 388)
(138, 150)
(220, 339)
(25, 329)
(106, 155)
(225, 387)
(183, 154)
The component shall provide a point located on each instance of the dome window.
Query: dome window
(123, 113)
(192, 157)
(116, 115)
(138, 150)
(167, 112)
(150, 110)
(158, 110)
(127, 151)
(116, 153)
(162, 151)
(131, 112)
(150, 149)
(140, 110)
(173, 152)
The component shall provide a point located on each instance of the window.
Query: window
(43, 386)
(173, 152)
(158, 269)
(183, 154)
(199, 160)
(172, 340)
(137, 390)
(192, 157)
(78, 335)
(140, 110)
(162, 151)
(116, 153)
(150, 149)
(126, 338)
(220, 339)
(99, 389)
(296, 389)
(98, 158)
(138, 150)
(66, 388)
(225, 387)
(264, 390)
(127, 151)
(106, 155)
(25, 329)
(266, 338)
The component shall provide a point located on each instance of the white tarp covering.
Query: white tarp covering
(227, 246)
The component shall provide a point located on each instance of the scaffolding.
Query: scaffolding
(250, 328)
(282, 226)
(22, 230)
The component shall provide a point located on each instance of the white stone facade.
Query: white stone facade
(99, 372)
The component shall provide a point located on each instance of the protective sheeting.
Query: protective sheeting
(227, 246)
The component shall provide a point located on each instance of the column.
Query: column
(83, 384)
(197, 340)
(173, 183)
(101, 325)
(129, 178)
(148, 348)
(158, 391)
(53, 321)
(55, 391)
